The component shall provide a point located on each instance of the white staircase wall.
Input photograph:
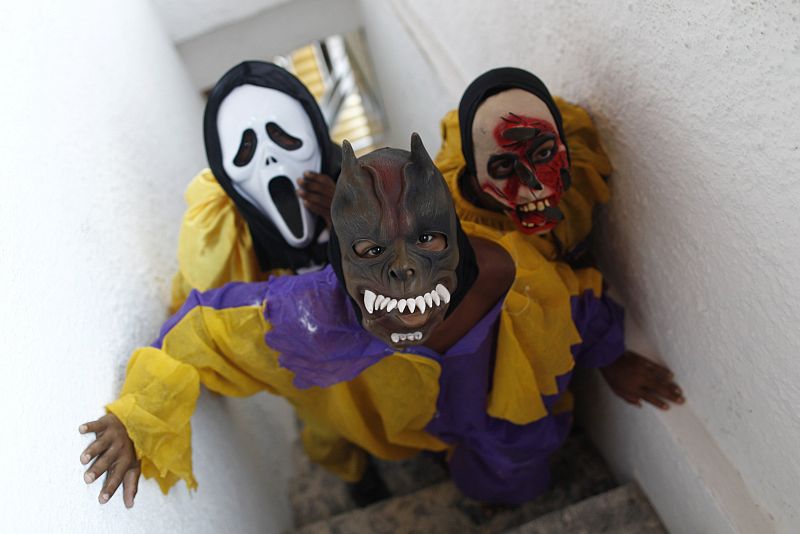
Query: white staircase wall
(101, 133)
(697, 104)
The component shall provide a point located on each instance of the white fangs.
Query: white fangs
(374, 302)
(420, 304)
(411, 336)
(369, 300)
(443, 292)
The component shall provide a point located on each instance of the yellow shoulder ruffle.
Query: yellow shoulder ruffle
(535, 332)
(588, 168)
(214, 246)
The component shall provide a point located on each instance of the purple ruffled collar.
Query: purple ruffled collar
(315, 330)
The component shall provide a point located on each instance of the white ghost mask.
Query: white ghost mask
(268, 142)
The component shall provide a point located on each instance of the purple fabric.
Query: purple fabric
(600, 322)
(318, 336)
(315, 330)
(493, 460)
(233, 295)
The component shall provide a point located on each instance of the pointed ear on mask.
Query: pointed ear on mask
(352, 179)
(353, 174)
(424, 172)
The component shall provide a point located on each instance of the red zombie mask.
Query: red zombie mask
(520, 160)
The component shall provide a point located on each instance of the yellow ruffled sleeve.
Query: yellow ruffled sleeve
(155, 405)
(223, 349)
(589, 169)
(214, 246)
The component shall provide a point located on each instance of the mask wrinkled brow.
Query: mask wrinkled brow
(356, 204)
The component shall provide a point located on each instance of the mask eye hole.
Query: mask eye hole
(544, 152)
(368, 249)
(433, 241)
(501, 166)
(247, 148)
(281, 138)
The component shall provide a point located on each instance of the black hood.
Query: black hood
(271, 248)
(493, 82)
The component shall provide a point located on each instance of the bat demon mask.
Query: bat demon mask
(398, 237)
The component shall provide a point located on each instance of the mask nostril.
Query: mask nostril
(273, 159)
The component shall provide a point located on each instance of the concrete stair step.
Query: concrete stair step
(623, 510)
(316, 494)
(578, 473)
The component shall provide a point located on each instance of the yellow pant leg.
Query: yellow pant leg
(334, 453)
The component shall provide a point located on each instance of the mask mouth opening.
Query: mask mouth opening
(285, 199)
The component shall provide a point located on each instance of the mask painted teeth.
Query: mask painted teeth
(537, 205)
(411, 336)
(431, 299)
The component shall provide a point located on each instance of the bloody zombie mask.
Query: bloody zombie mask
(398, 237)
(513, 143)
(520, 159)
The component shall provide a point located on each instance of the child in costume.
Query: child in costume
(527, 179)
(263, 131)
(404, 343)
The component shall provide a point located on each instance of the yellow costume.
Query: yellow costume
(214, 246)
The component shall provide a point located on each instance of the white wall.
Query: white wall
(697, 104)
(101, 132)
(264, 35)
(185, 19)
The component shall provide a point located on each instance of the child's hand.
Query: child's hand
(633, 378)
(115, 454)
(317, 190)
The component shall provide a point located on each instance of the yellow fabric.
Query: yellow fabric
(214, 246)
(536, 329)
(225, 351)
(589, 165)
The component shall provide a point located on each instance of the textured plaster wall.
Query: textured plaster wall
(101, 133)
(697, 104)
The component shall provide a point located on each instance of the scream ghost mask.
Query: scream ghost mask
(399, 243)
(263, 130)
(514, 147)
(268, 142)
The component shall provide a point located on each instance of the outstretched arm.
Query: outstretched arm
(217, 339)
(600, 322)
(635, 378)
(115, 454)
